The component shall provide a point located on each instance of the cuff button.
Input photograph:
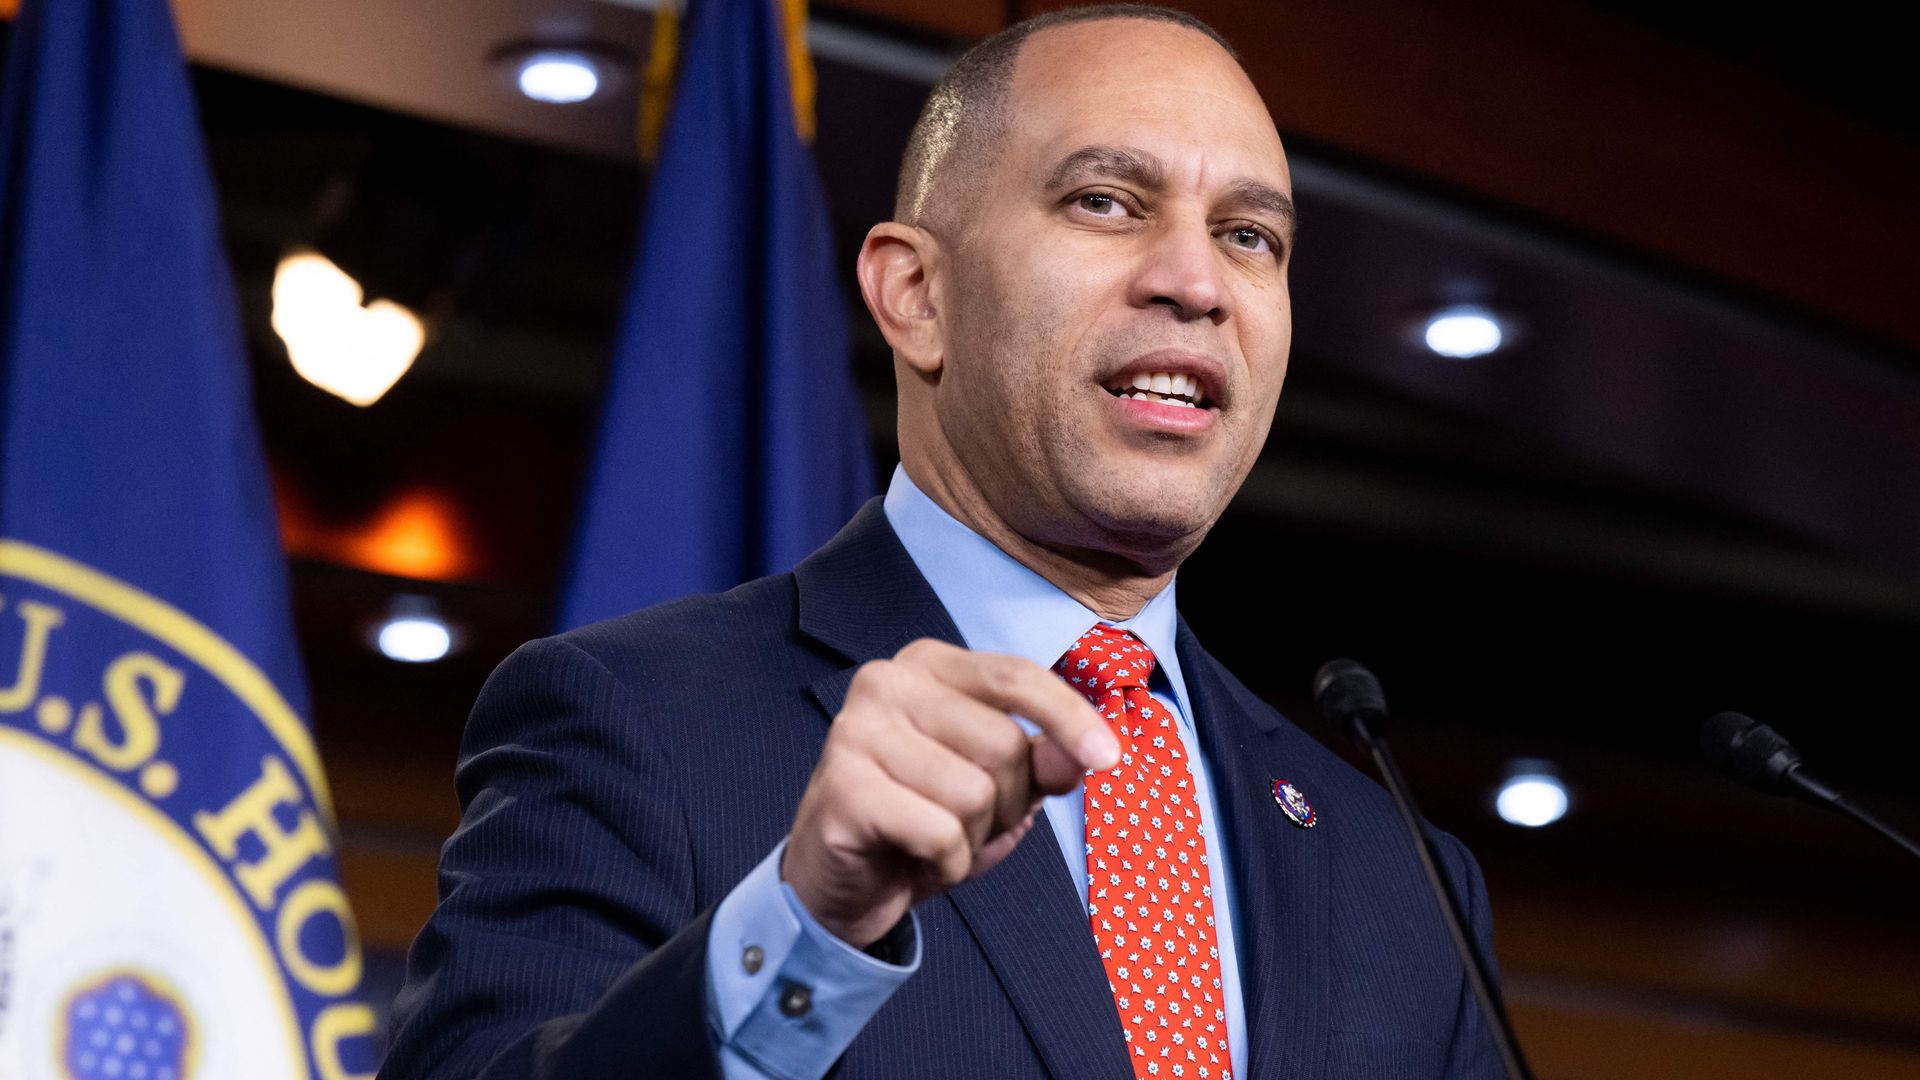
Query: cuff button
(752, 959)
(795, 1000)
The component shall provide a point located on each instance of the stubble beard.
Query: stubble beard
(1049, 475)
(1028, 436)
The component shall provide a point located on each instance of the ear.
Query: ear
(898, 269)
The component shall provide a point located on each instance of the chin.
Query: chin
(1153, 523)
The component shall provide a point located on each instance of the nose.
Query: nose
(1182, 270)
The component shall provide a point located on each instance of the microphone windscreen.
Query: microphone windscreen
(1346, 693)
(1753, 753)
(1720, 733)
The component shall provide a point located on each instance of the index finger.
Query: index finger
(1015, 685)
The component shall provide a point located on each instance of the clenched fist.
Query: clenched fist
(926, 781)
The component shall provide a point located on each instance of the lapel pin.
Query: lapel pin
(1294, 804)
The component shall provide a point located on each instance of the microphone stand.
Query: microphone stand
(1817, 791)
(1860, 814)
(1478, 977)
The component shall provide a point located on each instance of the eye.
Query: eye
(1251, 238)
(1100, 204)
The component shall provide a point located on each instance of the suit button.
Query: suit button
(795, 1000)
(752, 959)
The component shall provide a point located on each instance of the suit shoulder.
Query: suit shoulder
(1333, 777)
(1366, 808)
(1315, 757)
(700, 672)
(704, 632)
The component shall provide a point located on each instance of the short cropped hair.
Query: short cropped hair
(965, 117)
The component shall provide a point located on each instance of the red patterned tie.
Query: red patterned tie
(1149, 898)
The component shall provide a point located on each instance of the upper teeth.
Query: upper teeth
(1166, 384)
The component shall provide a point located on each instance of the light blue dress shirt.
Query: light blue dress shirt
(999, 606)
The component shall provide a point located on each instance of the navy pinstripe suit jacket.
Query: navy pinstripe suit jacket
(617, 781)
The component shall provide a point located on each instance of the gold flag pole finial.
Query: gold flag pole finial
(663, 60)
(656, 82)
(799, 67)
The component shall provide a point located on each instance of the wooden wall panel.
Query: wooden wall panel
(1584, 1044)
(391, 889)
(1678, 947)
(964, 20)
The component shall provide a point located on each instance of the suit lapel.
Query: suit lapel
(1029, 922)
(1280, 870)
(862, 596)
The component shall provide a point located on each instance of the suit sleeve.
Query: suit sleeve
(1472, 1055)
(566, 942)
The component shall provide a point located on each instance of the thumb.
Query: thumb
(1055, 771)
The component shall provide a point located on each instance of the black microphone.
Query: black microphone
(1759, 757)
(1349, 697)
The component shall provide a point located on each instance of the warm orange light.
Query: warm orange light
(417, 535)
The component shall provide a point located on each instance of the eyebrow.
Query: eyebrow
(1263, 197)
(1119, 162)
(1139, 167)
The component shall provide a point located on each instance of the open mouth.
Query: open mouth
(1162, 387)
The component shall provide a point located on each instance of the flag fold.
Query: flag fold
(169, 895)
(731, 442)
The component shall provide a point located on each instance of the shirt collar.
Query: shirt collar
(999, 605)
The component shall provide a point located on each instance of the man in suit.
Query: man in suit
(834, 821)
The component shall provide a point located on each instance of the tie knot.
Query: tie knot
(1105, 661)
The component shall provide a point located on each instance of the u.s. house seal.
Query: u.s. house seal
(169, 905)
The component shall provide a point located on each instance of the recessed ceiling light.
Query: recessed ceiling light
(1463, 332)
(559, 76)
(414, 632)
(416, 639)
(1533, 796)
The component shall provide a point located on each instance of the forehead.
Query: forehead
(1160, 86)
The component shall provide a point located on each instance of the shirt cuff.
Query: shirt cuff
(787, 994)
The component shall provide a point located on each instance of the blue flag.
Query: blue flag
(169, 902)
(732, 443)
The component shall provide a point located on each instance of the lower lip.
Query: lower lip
(1178, 419)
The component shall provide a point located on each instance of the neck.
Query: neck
(1111, 586)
